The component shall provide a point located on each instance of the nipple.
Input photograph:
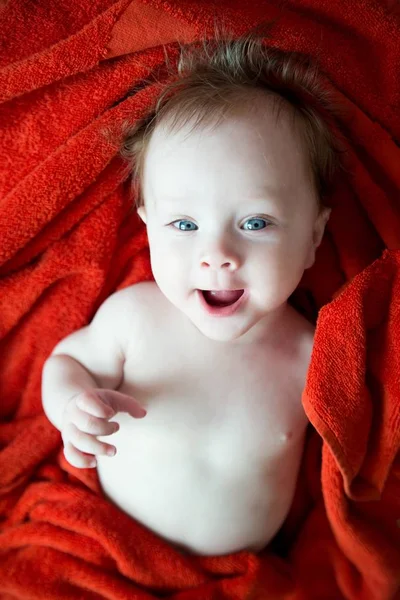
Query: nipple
(286, 436)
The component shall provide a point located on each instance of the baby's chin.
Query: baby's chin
(225, 331)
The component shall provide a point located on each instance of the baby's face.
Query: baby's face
(230, 209)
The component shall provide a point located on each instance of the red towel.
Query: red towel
(68, 240)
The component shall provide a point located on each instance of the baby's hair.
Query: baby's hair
(217, 77)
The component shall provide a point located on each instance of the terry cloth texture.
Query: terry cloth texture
(68, 240)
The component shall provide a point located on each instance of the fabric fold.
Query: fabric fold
(68, 239)
(362, 425)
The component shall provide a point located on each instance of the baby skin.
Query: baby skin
(212, 466)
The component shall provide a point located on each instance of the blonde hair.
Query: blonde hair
(213, 79)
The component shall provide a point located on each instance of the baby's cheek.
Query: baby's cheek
(171, 266)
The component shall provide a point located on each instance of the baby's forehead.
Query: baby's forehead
(254, 143)
(267, 114)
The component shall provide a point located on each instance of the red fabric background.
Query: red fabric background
(67, 240)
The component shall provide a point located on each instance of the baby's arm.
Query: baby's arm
(83, 368)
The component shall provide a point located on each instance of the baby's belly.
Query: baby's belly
(204, 498)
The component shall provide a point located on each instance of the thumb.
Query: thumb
(119, 402)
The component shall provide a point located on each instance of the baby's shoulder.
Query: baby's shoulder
(138, 301)
(298, 342)
(142, 308)
(139, 290)
(305, 337)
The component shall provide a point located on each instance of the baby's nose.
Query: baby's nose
(218, 259)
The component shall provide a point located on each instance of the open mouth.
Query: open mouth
(222, 303)
(221, 298)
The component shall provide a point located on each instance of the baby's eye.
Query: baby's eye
(255, 223)
(186, 225)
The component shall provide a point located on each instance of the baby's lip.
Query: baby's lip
(233, 289)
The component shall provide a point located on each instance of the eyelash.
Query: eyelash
(249, 219)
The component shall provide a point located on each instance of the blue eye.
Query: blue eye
(258, 224)
(185, 227)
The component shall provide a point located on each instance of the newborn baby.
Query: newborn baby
(211, 349)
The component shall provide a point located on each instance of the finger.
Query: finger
(93, 425)
(90, 402)
(78, 459)
(88, 443)
(120, 402)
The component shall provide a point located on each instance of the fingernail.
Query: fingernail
(111, 452)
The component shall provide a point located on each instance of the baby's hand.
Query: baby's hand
(87, 415)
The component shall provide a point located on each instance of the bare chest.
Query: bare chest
(238, 406)
(221, 443)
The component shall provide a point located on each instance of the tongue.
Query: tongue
(222, 298)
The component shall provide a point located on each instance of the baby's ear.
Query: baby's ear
(320, 224)
(318, 232)
(141, 211)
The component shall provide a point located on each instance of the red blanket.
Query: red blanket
(68, 240)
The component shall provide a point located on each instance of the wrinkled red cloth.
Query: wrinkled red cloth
(68, 240)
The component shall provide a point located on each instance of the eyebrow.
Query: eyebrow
(260, 195)
(266, 192)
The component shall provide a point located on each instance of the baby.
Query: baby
(210, 354)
